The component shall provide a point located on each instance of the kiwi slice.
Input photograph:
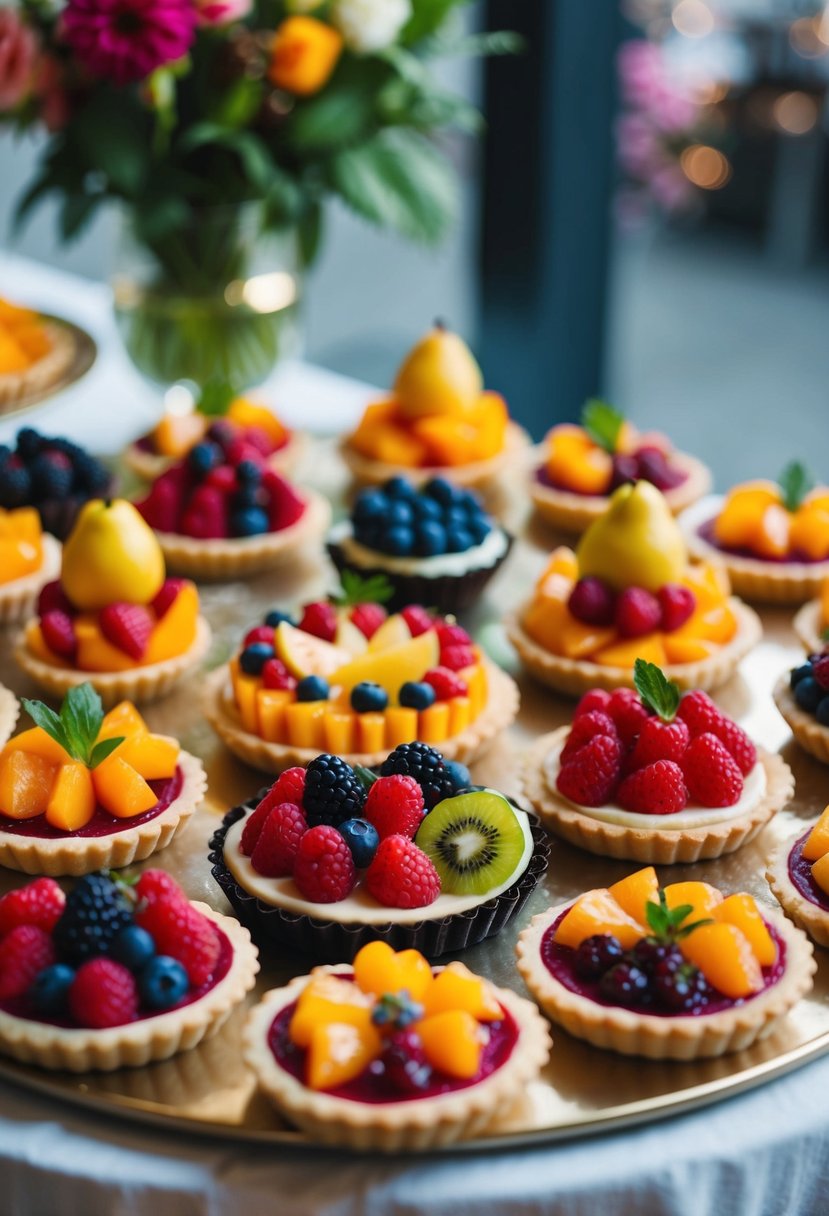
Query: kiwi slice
(475, 841)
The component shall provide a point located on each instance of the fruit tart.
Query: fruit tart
(222, 512)
(802, 696)
(811, 622)
(437, 420)
(113, 618)
(53, 475)
(81, 790)
(28, 559)
(115, 975)
(584, 464)
(654, 775)
(798, 874)
(350, 679)
(332, 856)
(392, 1054)
(35, 351)
(9, 711)
(628, 592)
(680, 972)
(771, 537)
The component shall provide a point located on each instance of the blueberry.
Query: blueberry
(29, 443)
(203, 457)
(415, 695)
(456, 517)
(367, 698)
(371, 504)
(426, 509)
(458, 540)
(362, 838)
(275, 618)
(799, 673)
(133, 947)
(399, 542)
(248, 473)
(480, 529)
(162, 983)
(822, 711)
(254, 657)
(460, 774)
(441, 490)
(400, 513)
(50, 991)
(250, 521)
(430, 539)
(312, 688)
(401, 489)
(246, 497)
(808, 694)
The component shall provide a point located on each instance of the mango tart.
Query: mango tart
(29, 558)
(393, 1055)
(582, 465)
(35, 351)
(798, 874)
(81, 790)
(799, 697)
(679, 972)
(627, 592)
(771, 537)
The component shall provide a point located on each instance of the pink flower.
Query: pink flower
(126, 40)
(221, 12)
(18, 57)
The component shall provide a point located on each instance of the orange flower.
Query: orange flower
(304, 54)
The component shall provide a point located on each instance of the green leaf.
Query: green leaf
(76, 212)
(340, 116)
(77, 726)
(113, 135)
(657, 692)
(309, 231)
(46, 719)
(602, 423)
(427, 17)
(102, 749)
(485, 43)
(358, 590)
(366, 776)
(795, 483)
(666, 923)
(216, 396)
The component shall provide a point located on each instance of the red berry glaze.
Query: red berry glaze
(324, 869)
(395, 806)
(401, 875)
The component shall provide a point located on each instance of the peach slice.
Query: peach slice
(737, 523)
(26, 782)
(544, 619)
(328, 999)
(725, 957)
(817, 842)
(120, 789)
(701, 896)
(154, 757)
(379, 970)
(598, 912)
(455, 987)
(742, 911)
(124, 719)
(772, 535)
(176, 631)
(72, 801)
(624, 653)
(810, 531)
(635, 892)
(820, 873)
(339, 1052)
(452, 1042)
(37, 742)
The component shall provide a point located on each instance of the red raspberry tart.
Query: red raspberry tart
(798, 874)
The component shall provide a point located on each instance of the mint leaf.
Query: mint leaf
(358, 590)
(102, 749)
(215, 399)
(795, 482)
(657, 692)
(666, 924)
(47, 720)
(602, 423)
(77, 726)
(367, 777)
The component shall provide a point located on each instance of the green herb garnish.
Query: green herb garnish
(365, 776)
(603, 423)
(375, 589)
(658, 693)
(795, 483)
(77, 726)
(215, 398)
(667, 924)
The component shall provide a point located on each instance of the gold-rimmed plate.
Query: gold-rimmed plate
(83, 356)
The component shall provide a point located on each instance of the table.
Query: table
(761, 1154)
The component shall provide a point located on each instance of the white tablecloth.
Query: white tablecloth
(765, 1153)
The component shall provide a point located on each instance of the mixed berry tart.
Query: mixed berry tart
(81, 790)
(434, 544)
(584, 464)
(392, 1054)
(802, 696)
(771, 537)
(332, 856)
(679, 972)
(53, 475)
(798, 874)
(29, 558)
(346, 677)
(113, 618)
(437, 420)
(35, 351)
(629, 592)
(654, 775)
(811, 622)
(115, 974)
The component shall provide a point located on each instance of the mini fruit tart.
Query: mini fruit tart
(654, 776)
(802, 697)
(115, 976)
(435, 545)
(53, 475)
(332, 857)
(437, 421)
(352, 680)
(392, 1054)
(28, 559)
(677, 973)
(113, 619)
(584, 464)
(35, 351)
(771, 537)
(629, 592)
(81, 790)
(222, 512)
(798, 874)
(9, 710)
(811, 622)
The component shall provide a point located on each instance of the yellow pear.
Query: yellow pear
(636, 543)
(438, 376)
(111, 555)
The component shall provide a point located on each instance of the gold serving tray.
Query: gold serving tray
(582, 1090)
(84, 354)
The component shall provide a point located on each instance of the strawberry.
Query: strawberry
(276, 675)
(446, 683)
(418, 619)
(24, 951)
(206, 516)
(628, 713)
(259, 439)
(181, 931)
(677, 604)
(637, 612)
(456, 657)
(590, 776)
(401, 875)
(368, 618)
(659, 740)
(655, 789)
(276, 847)
(53, 598)
(395, 806)
(584, 729)
(39, 903)
(323, 866)
(127, 626)
(167, 596)
(161, 507)
(59, 633)
(320, 619)
(595, 699)
(103, 994)
(711, 774)
(286, 504)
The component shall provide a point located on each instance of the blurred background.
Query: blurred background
(646, 217)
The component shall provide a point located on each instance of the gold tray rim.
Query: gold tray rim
(83, 359)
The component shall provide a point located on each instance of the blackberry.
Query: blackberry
(625, 984)
(91, 477)
(52, 475)
(596, 955)
(15, 486)
(94, 915)
(422, 762)
(682, 989)
(333, 792)
(29, 443)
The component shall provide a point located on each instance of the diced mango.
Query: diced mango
(810, 532)
(817, 842)
(94, 652)
(455, 987)
(304, 723)
(72, 800)
(120, 789)
(452, 1043)
(401, 726)
(394, 445)
(626, 651)
(544, 619)
(124, 719)
(687, 650)
(26, 782)
(824, 603)
(176, 434)
(36, 742)
(578, 640)
(597, 911)
(340, 727)
(726, 959)
(575, 462)
(709, 583)
(448, 441)
(820, 872)
(380, 970)
(371, 732)
(633, 893)
(737, 523)
(477, 687)
(175, 633)
(247, 413)
(245, 688)
(339, 1052)
(460, 714)
(433, 723)
(328, 999)
(701, 897)
(154, 757)
(742, 911)
(270, 713)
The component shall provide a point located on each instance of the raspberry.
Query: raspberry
(161, 506)
(456, 658)
(59, 633)
(155, 884)
(104, 993)
(94, 914)
(637, 612)
(24, 952)
(452, 635)
(595, 699)
(677, 604)
(39, 903)
(820, 670)
(426, 765)
(207, 515)
(401, 875)
(368, 618)
(333, 791)
(659, 740)
(656, 789)
(711, 774)
(290, 785)
(446, 683)
(181, 931)
(395, 806)
(276, 675)
(323, 867)
(584, 728)
(418, 619)
(320, 619)
(699, 713)
(167, 596)
(628, 712)
(53, 598)
(277, 843)
(286, 504)
(654, 467)
(592, 601)
(590, 776)
(737, 744)
(222, 478)
(259, 633)
(127, 626)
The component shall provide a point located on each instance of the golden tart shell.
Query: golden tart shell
(813, 919)
(138, 684)
(9, 711)
(75, 855)
(655, 846)
(807, 626)
(393, 1127)
(667, 1038)
(18, 598)
(808, 732)
(149, 465)
(220, 711)
(46, 372)
(577, 676)
(138, 1043)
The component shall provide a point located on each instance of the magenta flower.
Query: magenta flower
(126, 40)
(222, 12)
(18, 56)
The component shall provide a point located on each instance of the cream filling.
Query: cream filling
(359, 907)
(487, 553)
(693, 816)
